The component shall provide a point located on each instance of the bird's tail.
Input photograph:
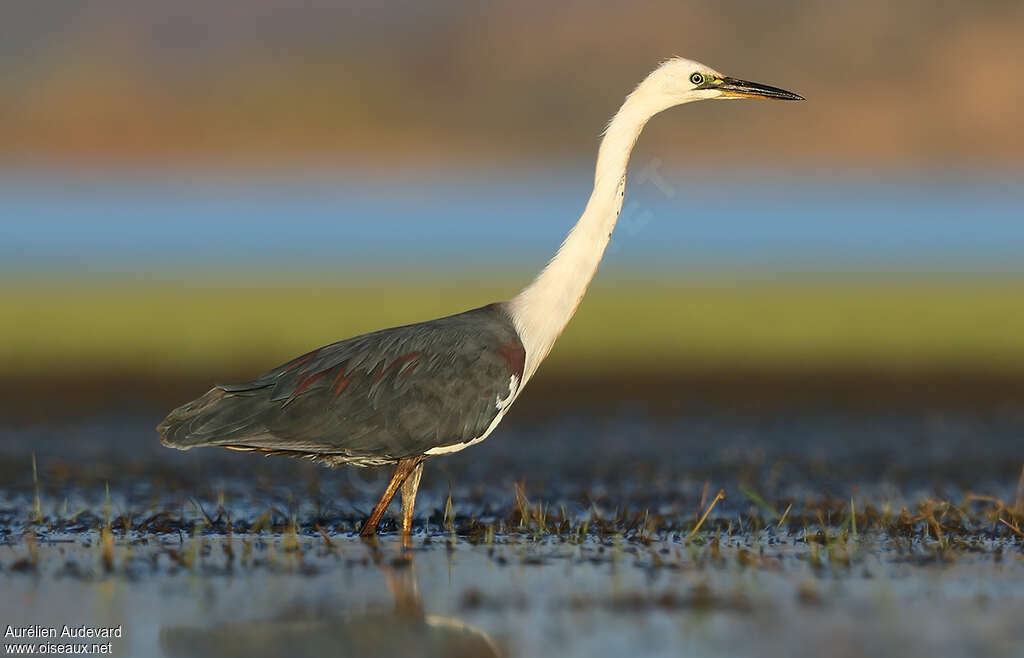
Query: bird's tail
(184, 427)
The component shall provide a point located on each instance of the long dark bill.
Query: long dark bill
(736, 88)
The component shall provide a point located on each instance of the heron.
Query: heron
(403, 395)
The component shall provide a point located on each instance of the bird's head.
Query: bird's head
(680, 80)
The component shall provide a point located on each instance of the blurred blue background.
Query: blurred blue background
(147, 223)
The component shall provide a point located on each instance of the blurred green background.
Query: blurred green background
(197, 191)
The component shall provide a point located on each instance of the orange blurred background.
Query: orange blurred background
(893, 85)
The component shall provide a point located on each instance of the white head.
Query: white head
(679, 80)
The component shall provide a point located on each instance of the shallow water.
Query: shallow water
(752, 596)
(571, 536)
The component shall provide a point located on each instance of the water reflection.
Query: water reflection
(404, 630)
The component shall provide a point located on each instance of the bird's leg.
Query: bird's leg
(409, 489)
(402, 471)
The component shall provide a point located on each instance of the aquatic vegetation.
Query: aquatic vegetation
(615, 523)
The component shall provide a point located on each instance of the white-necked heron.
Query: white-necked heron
(401, 395)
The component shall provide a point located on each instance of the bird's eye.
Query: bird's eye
(697, 79)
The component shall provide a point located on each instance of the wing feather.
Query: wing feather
(388, 394)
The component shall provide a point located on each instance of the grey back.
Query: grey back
(380, 396)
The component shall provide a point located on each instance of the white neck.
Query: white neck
(543, 309)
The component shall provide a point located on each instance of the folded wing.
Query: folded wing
(380, 396)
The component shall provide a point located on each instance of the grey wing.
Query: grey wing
(385, 395)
